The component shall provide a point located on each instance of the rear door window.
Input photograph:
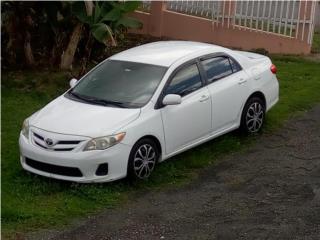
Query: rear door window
(235, 66)
(217, 68)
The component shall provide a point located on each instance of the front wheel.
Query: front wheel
(253, 115)
(143, 158)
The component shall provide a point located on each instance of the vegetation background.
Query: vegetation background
(62, 34)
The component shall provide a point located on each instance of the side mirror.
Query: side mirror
(73, 82)
(171, 99)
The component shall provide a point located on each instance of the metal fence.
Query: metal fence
(145, 6)
(286, 18)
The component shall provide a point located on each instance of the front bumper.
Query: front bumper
(86, 161)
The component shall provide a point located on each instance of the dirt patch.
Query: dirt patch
(272, 191)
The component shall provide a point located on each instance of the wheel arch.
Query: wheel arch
(153, 138)
(260, 95)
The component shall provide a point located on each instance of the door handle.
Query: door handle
(204, 98)
(242, 80)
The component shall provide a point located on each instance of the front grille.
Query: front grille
(55, 169)
(38, 136)
(69, 142)
(59, 146)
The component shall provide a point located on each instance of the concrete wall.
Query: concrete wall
(161, 22)
(317, 17)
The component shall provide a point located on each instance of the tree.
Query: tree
(104, 20)
(18, 22)
(53, 29)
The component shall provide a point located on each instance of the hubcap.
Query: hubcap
(144, 161)
(254, 117)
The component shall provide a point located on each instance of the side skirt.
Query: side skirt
(200, 141)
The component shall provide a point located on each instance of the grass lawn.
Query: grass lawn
(31, 202)
(316, 43)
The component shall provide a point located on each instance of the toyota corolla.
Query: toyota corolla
(145, 105)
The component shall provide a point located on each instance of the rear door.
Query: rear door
(227, 84)
(190, 120)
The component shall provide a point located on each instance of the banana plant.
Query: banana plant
(106, 19)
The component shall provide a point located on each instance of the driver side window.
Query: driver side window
(185, 81)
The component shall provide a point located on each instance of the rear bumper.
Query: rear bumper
(271, 104)
(87, 162)
(272, 92)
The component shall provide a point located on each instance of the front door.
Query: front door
(190, 120)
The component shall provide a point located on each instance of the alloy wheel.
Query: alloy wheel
(254, 117)
(144, 161)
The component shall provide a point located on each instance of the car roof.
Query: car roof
(164, 53)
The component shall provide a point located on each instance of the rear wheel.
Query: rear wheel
(253, 115)
(143, 158)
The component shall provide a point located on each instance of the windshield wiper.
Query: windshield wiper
(79, 96)
(107, 102)
(97, 100)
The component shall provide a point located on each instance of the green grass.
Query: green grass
(316, 43)
(31, 202)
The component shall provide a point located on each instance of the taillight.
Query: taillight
(273, 69)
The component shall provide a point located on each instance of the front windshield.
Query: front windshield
(128, 84)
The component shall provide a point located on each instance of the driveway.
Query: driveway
(271, 191)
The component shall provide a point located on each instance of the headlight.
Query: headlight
(102, 143)
(25, 128)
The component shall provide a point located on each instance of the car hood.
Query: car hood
(67, 116)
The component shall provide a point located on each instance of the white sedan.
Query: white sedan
(145, 105)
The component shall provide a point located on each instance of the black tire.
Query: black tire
(142, 169)
(253, 116)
